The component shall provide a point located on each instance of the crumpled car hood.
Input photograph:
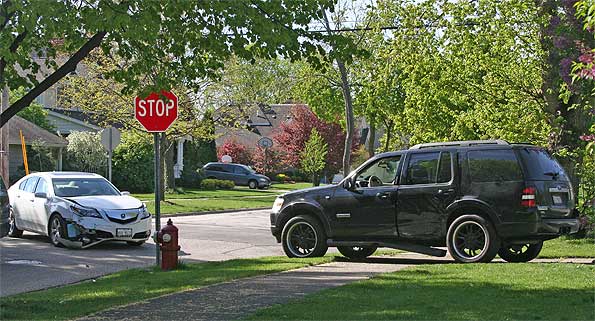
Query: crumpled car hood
(111, 202)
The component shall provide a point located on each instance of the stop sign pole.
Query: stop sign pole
(156, 113)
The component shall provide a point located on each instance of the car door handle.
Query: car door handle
(382, 196)
(445, 191)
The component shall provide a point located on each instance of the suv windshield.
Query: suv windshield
(72, 187)
(541, 165)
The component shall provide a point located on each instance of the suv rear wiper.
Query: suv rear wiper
(554, 175)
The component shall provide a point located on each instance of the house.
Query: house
(32, 133)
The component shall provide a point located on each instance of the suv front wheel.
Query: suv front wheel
(520, 252)
(471, 239)
(302, 237)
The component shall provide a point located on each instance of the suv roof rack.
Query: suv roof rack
(461, 143)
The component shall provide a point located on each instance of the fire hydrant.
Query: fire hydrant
(168, 243)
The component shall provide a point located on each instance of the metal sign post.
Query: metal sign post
(157, 193)
(110, 139)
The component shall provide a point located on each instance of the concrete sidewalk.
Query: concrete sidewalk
(240, 298)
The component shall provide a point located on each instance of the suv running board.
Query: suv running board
(395, 245)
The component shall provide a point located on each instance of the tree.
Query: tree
(268, 161)
(238, 152)
(133, 162)
(292, 136)
(173, 43)
(33, 113)
(313, 156)
(85, 152)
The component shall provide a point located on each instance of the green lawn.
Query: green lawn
(564, 247)
(497, 291)
(135, 285)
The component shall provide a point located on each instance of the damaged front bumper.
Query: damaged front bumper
(84, 232)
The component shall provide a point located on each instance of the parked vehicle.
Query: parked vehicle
(4, 210)
(241, 175)
(76, 210)
(477, 198)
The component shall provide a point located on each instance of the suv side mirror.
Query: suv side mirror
(41, 195)
(348, 184)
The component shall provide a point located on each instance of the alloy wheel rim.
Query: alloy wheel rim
(11, 223)
(470, 240)
(55, 230)
(301, 239)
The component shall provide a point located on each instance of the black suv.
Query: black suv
(477, 198)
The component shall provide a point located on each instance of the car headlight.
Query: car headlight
(84, 211)
(144, 212)
(278, 204)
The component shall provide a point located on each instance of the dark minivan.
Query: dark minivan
(477, 198)
(241, 175)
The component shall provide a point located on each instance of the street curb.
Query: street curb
(213, 212)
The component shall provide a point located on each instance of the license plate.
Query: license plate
(123, 232)
(557, 200)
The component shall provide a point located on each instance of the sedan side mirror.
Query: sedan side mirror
(125, 193)
(41, 195)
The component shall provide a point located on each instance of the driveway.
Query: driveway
(31, 263)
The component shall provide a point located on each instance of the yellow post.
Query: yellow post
(24, 152)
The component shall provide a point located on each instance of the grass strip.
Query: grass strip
(191, 206)
(135, 285)
(497, 291)
(565, 247)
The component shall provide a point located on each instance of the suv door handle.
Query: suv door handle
(445, 192)
(382, 196)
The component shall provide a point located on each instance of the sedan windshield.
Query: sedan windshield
(72, 187)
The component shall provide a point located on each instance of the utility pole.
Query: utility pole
(4, 147)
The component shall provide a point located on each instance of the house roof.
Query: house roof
(32, 133)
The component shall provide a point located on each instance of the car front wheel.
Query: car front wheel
(357, 252)
(13, 230)
(56, 229)
(303, 237)
(471, 239)
(252, 184)
(520, 252)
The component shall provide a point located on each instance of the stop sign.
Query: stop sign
(156, 112)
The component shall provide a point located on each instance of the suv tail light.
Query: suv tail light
(528, 197)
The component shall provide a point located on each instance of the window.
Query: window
(42, 186)
(422, 168)
(240, 170)
(541, 165)
(444, 168)
(23, 184)
(384, 169)
(72, 187)
(30, 186)
(215, 168)
(499, 165)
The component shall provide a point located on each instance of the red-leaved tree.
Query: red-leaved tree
(268, 161)
(292, 135)
(238, 152)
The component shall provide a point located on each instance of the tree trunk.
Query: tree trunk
(348, 117)
(389, 134)
(371, 139)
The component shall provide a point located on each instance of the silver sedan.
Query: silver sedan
(76, 210)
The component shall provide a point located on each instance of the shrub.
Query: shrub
(213, 184)
(133, 163)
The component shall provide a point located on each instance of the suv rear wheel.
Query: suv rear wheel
(302, 237)
(357, 252)
(471, 239)
(520, 252)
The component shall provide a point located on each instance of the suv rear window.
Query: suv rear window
(496, 165)
(541, 165)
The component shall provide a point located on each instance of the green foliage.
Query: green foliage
(85, 152)
(133, 162)
(34, 112)
(212, 184)
(196, 155)
(314, 154)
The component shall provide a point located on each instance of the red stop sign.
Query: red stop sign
(156, 112)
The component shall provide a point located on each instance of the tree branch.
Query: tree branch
(60, 73)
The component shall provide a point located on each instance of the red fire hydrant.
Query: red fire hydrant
(168, 240)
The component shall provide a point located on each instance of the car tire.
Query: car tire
(133, 243)
(56, 227)
(357, 252)
(252, 184)
(518, 253)
(13, 230)
(304, 237)
(469, 234)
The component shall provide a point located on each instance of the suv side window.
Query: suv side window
(384, 169)
(429, 168)
(497, 165)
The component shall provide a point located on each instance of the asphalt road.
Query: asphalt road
(32, 263)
